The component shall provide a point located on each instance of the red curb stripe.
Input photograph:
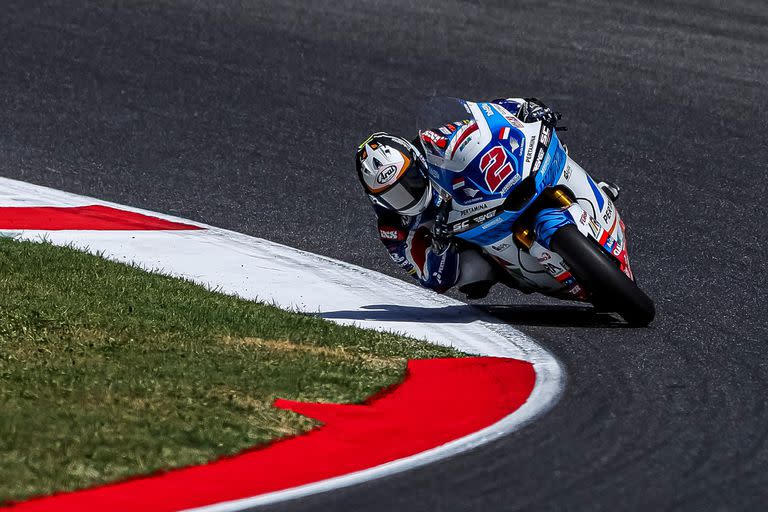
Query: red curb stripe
(439, 401)
(94, 217)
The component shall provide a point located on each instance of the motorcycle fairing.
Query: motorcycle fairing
(477, 160)
(549, 163)
(537, 159)
(549, 220)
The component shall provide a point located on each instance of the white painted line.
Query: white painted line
(258, 269)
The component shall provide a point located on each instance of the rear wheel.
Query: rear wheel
(598, 273)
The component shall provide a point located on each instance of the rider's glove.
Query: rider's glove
(534, 110)
(441, 233)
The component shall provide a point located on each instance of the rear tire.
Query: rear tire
(599, 274)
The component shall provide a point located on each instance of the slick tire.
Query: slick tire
(608, 287)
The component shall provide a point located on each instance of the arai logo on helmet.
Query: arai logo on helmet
(385, 175)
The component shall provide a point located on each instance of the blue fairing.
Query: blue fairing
(548, 174)
(473, 176)
(552, 166)
(548, 221)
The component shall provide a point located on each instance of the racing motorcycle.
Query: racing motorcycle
(510, 189)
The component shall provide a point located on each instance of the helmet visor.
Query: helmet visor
(406, 192)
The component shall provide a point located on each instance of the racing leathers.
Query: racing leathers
(410, 243)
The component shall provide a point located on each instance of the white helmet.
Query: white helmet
(394, 174)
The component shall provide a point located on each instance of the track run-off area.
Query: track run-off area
(443, 407)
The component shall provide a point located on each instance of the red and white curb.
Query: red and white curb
(257, 269)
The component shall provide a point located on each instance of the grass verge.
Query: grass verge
(107, 371)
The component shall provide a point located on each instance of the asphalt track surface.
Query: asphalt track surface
(246, 114)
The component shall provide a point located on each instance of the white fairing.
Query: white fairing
(538, 271)
(527, 270)
(575, 178)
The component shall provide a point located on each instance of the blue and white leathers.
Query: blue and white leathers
(408, 241)
(482, 159)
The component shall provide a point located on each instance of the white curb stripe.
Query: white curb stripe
(254, 268)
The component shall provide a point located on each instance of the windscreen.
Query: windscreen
(438, 111)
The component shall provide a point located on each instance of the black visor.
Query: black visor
(407, 191)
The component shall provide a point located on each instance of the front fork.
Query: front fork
(554, 209)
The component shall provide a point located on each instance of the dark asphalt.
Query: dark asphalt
(246, 115)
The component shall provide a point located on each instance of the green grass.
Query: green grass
(107, 371)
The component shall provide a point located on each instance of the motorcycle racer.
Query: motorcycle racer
(411, 215)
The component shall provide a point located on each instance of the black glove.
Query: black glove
(441, 232)
(534, 110)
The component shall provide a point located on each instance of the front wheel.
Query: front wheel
(601, 277)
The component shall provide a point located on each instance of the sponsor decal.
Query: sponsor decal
(484, 217)
(471, 192)
(494, 222)
(445, 131)
(608, 211)
(513, 145)
(567, 172)
(515, 121)
(399, 259)
(471, 210)
(439, 273)
(477, 220)
(464, 144)
(544, 138)
(594, 228)
(386, 174)
(529, 151)
(390, 234)
(501, 247)
(473, 200)
(515, 180)
(461, 226)
(545, 256)
(583, 219)
(487, 109)
(435, 139)
(539, 158)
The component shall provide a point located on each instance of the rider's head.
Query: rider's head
(394, 174)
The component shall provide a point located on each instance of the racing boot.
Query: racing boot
(476, 276)
(611, 190)
(477, 290)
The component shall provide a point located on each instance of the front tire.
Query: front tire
(602, 278)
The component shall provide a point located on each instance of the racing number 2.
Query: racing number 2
(495, 166)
